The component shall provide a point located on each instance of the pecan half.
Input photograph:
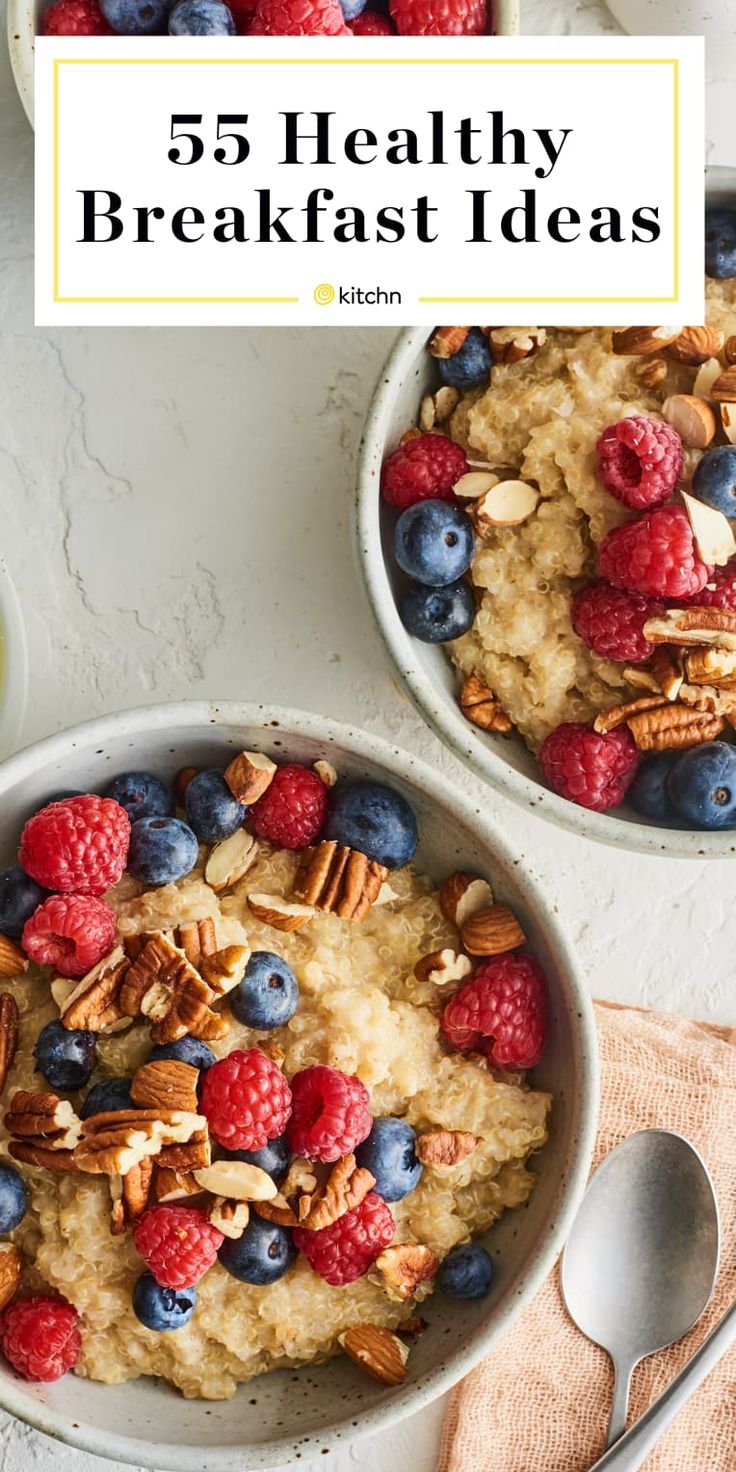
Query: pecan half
(115, 1141)
(377, 1351)
(197, 939)
(445, 1147)
(404, 1267)
(711, 666)
(173, 1185)
(667, 666)
(94, 1004)
(194, 1154)
(43, 1118)
(277, 1210)
(42, 1155)
(674, 728)
(164, 986)
(617, 715)
(13, 959)
(339, 880)
(346, 1186)
(651, 372)
(165, 1083)
(225, 969)
(130, 1195)
(479, 705)
(692, 626)
(8, 1035)
(446, 341)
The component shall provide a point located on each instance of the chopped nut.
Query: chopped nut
(173, 1185)
(508, 503)
(13, 959)
(692, 626)
(631, 342)
(326, 773)
(339, 880)
(696, 345)
(130, 1195)
(492, 932)
(413, 1328)
(165, 1083)
(426, 414)
(667, 668)
(706, 377)
(43, 1117)
(248, 775)
(711, 666)
(511, 344)
(282, 914)
(225, 969)
(230, 860)
(277, 1210)
(475, 483)
(717, 700)
(641, 678)
(181, 782)
(300, 1179)
(237, 1180)
(346, 1186)
(230, 1217)
(442, 967)
(728, 421)
(94, 1003)
(714, 538)
(724, 388)
(11, 1271)
(194, 1154)
(446, 400)
(378, 1351)
(445, 1147)
(197, 939)
(404, 1267)
(730, 350)
(8, 1035)
(617, 715)
(479, 705)
(461, 895)
(651, 372)
(42, 1155)
(447, 341)
(673, 728)
(692, 418)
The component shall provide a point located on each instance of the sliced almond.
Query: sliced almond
(705, 378)
(507, 504)
(692, 417)
(445, 401)
(228, 861)
(426, 413)
(712, 531)
(634, 342)
(236, 1180)
(461, 895)
(492, 932)
(475, 483)
(248, 775)
(378, 1351)
(282, 914)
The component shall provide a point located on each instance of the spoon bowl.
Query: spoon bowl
(642, 1257)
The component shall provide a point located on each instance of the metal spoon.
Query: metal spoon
(642, 1257)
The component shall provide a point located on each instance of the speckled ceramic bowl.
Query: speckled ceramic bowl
(13, 664)
(284, 1416)
(24, 21)
(425, 670)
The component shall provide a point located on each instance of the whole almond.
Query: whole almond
(634, 342)
(492, 932)
(13, 959)
(696, 345)
(248, 775)
(378, 1351)
(692, 418)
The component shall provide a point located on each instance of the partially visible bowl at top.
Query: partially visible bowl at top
(25, 18)
(425, 669)
(284, 1416)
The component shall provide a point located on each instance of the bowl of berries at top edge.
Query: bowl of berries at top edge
(545, 526)
(30, 18)
(267, 1128)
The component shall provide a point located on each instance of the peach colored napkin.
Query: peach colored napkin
(540, 1402)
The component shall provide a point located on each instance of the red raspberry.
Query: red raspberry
(439, 17)
(723, 594)
(39, 1337)
(177, 1244)
(345, 1250)
(246, 1099)
(655, 554)
(611, 622)
(80, 844)
(70, 932)
(591, 769)
(501, 1011)
(299, 18)
(640, 460)
(370, 23)
(330, 1113)
(424, 469)
(293, 809)
(75, 18)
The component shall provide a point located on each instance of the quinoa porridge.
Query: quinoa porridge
(361, 1010)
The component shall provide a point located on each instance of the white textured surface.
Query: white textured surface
(176, 515)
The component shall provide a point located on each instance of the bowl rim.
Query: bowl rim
(21, 32)
(14, 1397)
(447, 722)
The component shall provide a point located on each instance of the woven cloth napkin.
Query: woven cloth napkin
(540, 1402)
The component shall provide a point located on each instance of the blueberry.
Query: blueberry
(471, 365)
(466, 1272)
(65, 1057)
(185, 1050)
(714, 480)
(268, 994)
(107, 1095)
(720, 243)
(13, 1199)
(160, 1308)
(434, 542)
(389, 1154)
(142, 795)
(648, 792)
(264, 1253)
(19, 897)
(352, 8)
(161, 850)
(201, 18)
(375, 819)
(136, 17)
(274, 1158)
(211, 808)
(435, 615)
(702, 785)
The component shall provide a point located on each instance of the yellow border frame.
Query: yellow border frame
(372, 61)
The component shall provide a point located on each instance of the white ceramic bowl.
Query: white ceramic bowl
(13, 664)
(425, 670)
(24, 19)
(284, 1416)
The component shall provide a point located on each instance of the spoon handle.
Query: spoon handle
(633, 1448)
(620, 1402)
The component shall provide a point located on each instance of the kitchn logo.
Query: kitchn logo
(356, 296)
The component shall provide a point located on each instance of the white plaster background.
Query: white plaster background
(175, 513)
